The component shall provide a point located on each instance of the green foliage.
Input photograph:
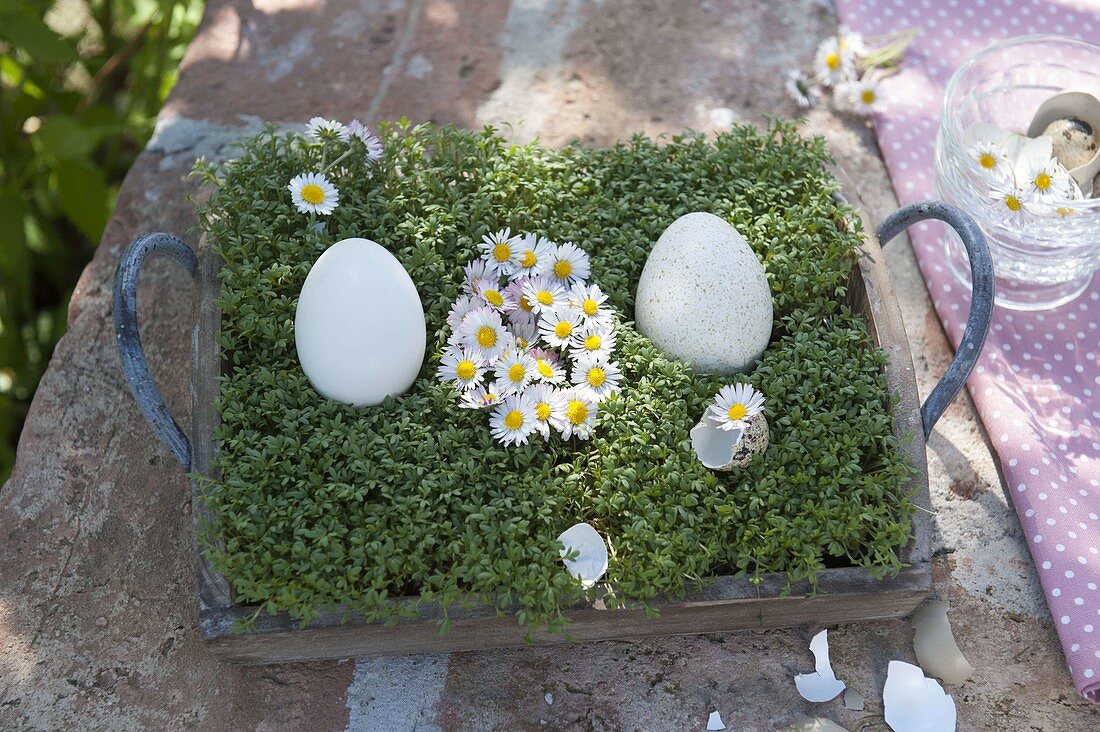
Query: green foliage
(321, 504)
(80, 85)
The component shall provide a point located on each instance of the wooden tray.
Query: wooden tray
(731, 603)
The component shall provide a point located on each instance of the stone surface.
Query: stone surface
(98, 622)
(703, 296)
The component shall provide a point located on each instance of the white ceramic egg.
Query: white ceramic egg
(359, 326)
(703, 296)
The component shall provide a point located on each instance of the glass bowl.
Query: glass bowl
(1042, 261)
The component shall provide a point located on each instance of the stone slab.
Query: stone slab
(97, 612)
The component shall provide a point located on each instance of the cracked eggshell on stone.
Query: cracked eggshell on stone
(703, 296)
(359, 325)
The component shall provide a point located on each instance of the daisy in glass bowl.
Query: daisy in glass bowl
(461, 367)
(734, 405)
(513, 420)
(598, 378)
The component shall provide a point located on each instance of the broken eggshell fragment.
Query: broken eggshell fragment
(822, 685)
(1071, 119)
(720, 449)
(913, 703)
(590, 564)
(934, 644)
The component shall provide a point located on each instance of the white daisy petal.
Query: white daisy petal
(544, 293)
(313, 193)
(549, 404)
(484, 333)
(513, 420)
(734, 405)
(596, 377)
(323, 130)
(569, 264)
(579, 416)
(514, 371)
(557, 327)
(461, 367)
(481, 397)
(501, 251)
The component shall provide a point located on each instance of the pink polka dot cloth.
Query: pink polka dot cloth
(1037, 385)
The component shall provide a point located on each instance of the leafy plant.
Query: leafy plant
(80, 85)
(323, 504)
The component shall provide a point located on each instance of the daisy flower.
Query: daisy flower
(520, 310)
(324, 130)
(475, 270)
(1045, 180)
(597, 378)
(589, 300)
(500, 250)
(556, 327)
(860, 96)
(480, 397)
(801, 89)
(533, 255)
(833, 64)
(368, 138)
(549, 405)
(461, 367)
(514, 371)
(313, 193)
(489, 291)
(992, 160)
(461, 307)
(1012, 202)
(850, 41)
(484, 333)
(734, 405)
(579, 415)
(513, 420)
(593, 339)
(526, 333)
(547, 366)
(543, 294)
(569, 264)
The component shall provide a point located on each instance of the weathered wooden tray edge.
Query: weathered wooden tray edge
(732, 603)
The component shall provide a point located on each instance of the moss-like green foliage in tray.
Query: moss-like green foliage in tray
(322, 504)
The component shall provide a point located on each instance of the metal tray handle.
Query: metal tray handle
(981, 302)
(134, 366)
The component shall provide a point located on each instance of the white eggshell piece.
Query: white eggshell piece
(714, 722)
(713, 445)
(822, 685)
(591, 561)
(934, 644)
(703, 296)
(359, 326)
(913, 703)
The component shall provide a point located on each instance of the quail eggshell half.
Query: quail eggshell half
(359, 326)
(703, 296)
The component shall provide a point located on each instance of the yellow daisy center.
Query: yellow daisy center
(868, 96)
(545, 368)
(596, 377)
(1064, 211)
(524, 305)
(562, 269)
(513, 420)
(486, 336)
(1042, 181)
(987, 161)
(502, 252)
(590, 307)
(737, 411)
(577, 412)
(833, 61)
(564, 329)
(1013, 203)
(593, 343)
(542, 411)
(465, 370)
(529, 259)
(313, 193)
(494, 297)
(544, 297)
(516, 373)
